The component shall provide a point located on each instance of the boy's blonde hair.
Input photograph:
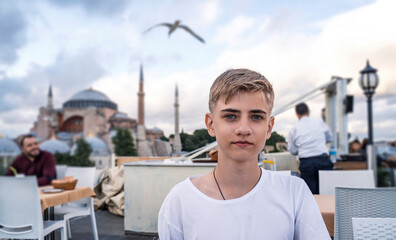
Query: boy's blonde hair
(233, 81)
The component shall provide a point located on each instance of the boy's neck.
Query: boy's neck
(237, 178)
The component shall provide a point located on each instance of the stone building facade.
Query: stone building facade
(92, 114)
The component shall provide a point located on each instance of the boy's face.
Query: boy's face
(241, 126)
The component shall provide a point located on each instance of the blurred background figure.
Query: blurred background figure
(363, 147)
(33, 161)
(308, 139)
(355, 146)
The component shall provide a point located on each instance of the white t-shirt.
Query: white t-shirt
(278, 207)
(308, 137)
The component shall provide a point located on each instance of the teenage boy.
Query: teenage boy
(238, 199)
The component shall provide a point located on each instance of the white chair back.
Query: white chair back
(361, 203)
(82, 207)
(60, 171)
(330, 179)
(20, 208)
(374, 228)
(85, 175)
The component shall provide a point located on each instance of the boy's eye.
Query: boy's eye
(257, 117)
(230, 116)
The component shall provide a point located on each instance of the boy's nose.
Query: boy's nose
(243, 128)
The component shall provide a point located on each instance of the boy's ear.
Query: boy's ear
(209, 124)
(270, 126)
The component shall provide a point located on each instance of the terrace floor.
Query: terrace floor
(110, 227)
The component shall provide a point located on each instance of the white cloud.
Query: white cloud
(121, 89)
(17, 121)
(210, 12)
(293, 60)
(296, 63)
(232, 31)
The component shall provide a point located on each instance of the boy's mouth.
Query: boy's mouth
(242, 143)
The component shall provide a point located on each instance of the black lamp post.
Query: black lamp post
(369, 82)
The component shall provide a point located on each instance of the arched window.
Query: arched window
(73, 124)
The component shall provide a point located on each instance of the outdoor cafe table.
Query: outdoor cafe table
(326, 204)
(52, 199)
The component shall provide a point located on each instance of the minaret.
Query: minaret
(50, 104)
(143, 146)
(177, 147)
(141, 98)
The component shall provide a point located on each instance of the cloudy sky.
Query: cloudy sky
(297, 45)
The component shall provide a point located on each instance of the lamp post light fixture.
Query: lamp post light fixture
(369, 82)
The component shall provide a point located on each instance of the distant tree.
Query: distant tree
(80, 156)
(163, 138)
(188, 145)
(275, 137)
(183, 137)
(123, 143)
(82, 153)
(202, 137)
(64, 159)
(83, 149)
(198, 139)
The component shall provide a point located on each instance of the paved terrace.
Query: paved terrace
(110, 227)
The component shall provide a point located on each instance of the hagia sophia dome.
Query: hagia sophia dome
(8, 148)
(89, 98)
(90, 114)
(54, 145)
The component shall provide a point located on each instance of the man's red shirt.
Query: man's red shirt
(43, 167)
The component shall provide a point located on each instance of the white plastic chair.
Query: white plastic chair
(82, 207)
(374, 228)
(20, 210)
(329, 179)
(361, 203)
(60, 171)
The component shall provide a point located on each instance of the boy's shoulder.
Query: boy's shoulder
(282, 180)
(188, 185)
(205, 184)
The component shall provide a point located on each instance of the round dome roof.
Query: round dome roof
(8, 148)
(89, 98)
(54, 146)
(120, 115)
(112, 133)
(99, 147)
(156, 130)
(90, 94)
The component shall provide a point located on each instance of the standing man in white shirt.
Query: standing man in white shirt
(308, 140)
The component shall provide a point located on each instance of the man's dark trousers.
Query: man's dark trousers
(309, 170)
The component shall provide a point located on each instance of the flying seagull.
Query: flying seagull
(174, 26)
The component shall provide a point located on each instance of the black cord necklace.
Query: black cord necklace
(214, 176)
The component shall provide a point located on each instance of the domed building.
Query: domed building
(90, 98)
(55, 146)
(86, 112)
(92, 113)
(8, 151)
